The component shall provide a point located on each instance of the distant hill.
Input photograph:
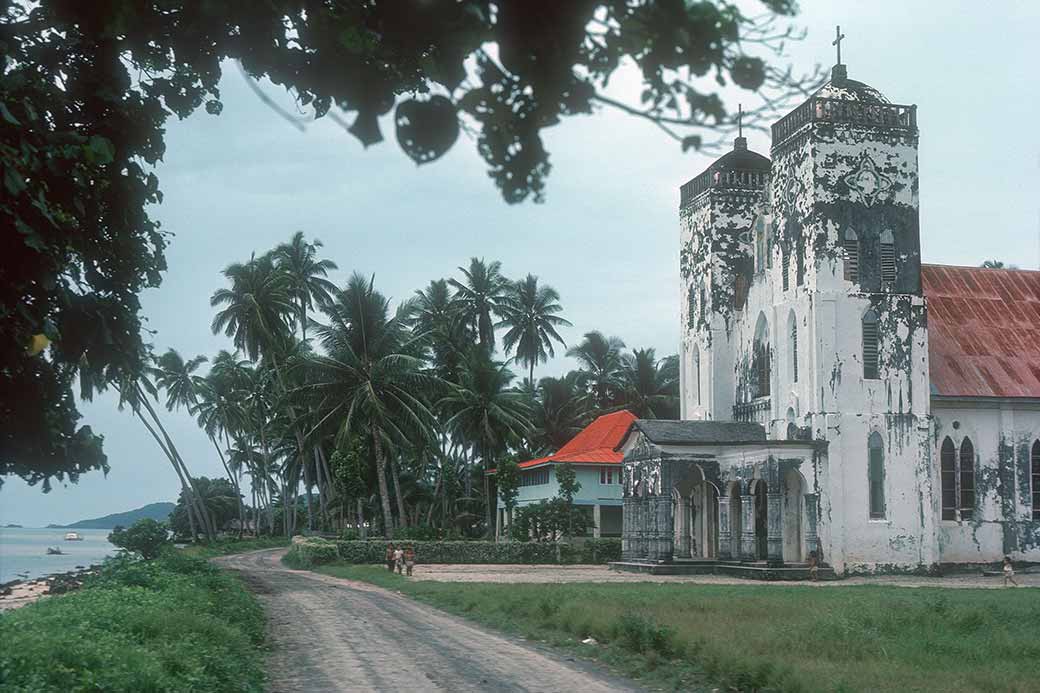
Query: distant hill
(155, 511)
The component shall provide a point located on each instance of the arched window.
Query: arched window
(888, 257)
(948, 478)
(1034, 460)
(785, 264)
(870, 346)
(792, 330)
(876, 475)
(851, 243)
(800, 259)
(760, 358)
(760, 245)
(957, 474)
(740, 291)
(967, 479)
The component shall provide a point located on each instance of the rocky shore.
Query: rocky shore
(21, 592)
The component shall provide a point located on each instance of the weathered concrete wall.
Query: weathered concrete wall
(1002, 434)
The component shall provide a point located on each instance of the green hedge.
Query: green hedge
(319, 551)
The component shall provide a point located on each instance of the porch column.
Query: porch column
(812, 539)
(747, 528)
(661, 529)
(774, 529)
(628, 511)
(724, 530)
(595, 521)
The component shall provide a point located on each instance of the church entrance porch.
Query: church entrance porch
(729, 510)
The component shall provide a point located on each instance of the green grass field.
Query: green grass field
(683, 636)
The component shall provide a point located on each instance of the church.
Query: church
(839, 397)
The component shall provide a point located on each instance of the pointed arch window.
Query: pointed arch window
(851, 245)
(800, 259)
(870, 346)
(876, 475)
(785, 264)
(948, 479)
(760, 245)
(957, 476)
(760, 359)
(1034, 464)
(793, 331)
(967, 479)
(888, 257)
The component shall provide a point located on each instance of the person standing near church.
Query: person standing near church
(409, 559)
(398, 560)
(390, 557)
(814, 567)
(1009, 572)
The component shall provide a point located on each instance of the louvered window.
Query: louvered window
(761, 367)
(785, 265)
(870, 346)
(794, 351)
(800, 260)
(948, 478)
(876, 475)
(888, 257)
(1035, 464)
(967, 479)
(851, 256)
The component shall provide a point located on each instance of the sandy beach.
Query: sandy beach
(21, 592)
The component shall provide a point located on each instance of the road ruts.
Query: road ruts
(339, 635)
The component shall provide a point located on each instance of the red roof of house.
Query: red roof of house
(983, 331)
(594, 444)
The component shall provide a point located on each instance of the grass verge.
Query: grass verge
(686, 636)
(225, 547)
(176, 623)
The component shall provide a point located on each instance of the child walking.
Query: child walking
(390, 557)
(409, 559)
(1009, 572)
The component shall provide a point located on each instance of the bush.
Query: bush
(175, 623)
(145, 537)
(318, 551)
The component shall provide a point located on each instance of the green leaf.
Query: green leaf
(102, 149)
(7, 115)
(13, 181)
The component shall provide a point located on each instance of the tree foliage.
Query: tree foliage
(86, 89)
(146, 537)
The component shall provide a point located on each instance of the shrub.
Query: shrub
(145, 537)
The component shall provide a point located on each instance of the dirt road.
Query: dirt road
(338, 635)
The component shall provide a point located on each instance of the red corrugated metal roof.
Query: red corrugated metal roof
(983, 331)
(594, 444)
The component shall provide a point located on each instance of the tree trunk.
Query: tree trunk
(361, 530)
(310, 498)
(189, 507)
(384, 492)
(402, 512)
(436, 490)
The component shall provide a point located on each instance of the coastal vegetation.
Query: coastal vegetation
(761, 637)
(334, 410)
(175, 623)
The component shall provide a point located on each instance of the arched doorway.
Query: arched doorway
(793, 517)
(704, 520)
(735, 520)
(761, 520)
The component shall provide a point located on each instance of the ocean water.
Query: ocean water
(23, 552)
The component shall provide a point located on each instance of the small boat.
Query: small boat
(54, 551)
(73, 536)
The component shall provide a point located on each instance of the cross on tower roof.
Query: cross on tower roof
(740, 120)
(838, 36)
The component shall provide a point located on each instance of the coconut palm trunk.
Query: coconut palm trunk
(401, 511)
(185, 489)
(384, 492)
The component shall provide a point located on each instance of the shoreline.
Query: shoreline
(18, 593)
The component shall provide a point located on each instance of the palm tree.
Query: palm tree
(436, 322)
(600, 359)
(651, 388)
(258, 307)
(486, 412)
(481, 297)
(372, 380)
(561, 409)
(531, 316)
(306, 276)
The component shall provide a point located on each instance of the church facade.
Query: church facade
(838, 396)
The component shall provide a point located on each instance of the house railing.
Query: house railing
(735, 179)
(820, 109)
(755, 411)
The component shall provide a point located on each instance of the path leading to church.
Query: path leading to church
(330, 634)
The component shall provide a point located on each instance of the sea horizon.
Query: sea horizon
(23, 551)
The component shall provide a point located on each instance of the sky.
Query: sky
(607, 235)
